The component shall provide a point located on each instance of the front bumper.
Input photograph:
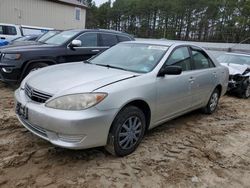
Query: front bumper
(10, 77)
(69, 129)
(11, 70)
(238, 84)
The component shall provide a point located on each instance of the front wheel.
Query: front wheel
(212, 103)
(246, 93)
(126, 131)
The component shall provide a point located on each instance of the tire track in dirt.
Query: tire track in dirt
(192, 151)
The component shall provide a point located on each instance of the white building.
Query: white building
(58, 14)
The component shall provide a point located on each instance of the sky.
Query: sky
(99, 2)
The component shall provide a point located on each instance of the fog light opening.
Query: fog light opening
(7, 70)
(71, 138)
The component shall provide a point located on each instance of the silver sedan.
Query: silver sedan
(112, 99)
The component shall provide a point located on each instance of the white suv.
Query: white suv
(9, 31)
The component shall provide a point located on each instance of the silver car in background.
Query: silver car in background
(239, 73)
(112, 99)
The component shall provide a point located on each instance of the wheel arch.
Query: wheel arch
(142, 105)
(28, 63)
(219, 87)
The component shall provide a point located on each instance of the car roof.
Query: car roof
(162, 42)
(5, 24)
(99, 30)
(239, 54)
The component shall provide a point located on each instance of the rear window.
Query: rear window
(7, 30)
(201, 59)
(108, 40)
(123, 38)
(234, 58)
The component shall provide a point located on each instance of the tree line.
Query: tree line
(196, 20)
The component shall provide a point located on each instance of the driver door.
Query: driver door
(90, 46)
(174, 91)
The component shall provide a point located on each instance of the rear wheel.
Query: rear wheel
(213, 102)
(126, 132)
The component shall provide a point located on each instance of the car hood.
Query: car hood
(75, 78)
(23, 43)
(236, 68)
(24, 48)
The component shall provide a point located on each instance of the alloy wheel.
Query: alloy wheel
(130, 132)
(214, 101)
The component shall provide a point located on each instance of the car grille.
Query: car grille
(36, 95)
(35, 129)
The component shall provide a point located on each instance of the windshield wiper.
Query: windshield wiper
(41, 42)
(112, 67)
(87, 62)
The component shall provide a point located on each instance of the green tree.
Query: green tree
(202, 20)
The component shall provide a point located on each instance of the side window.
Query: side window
(1, 29)
(88, 39)
(12, 31)
(8, 30)
(201, 59)
(108, 40)
(123, 38)
(180, 57)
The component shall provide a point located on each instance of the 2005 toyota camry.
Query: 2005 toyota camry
(112, 99)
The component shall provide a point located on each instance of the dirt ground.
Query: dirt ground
(195, 150)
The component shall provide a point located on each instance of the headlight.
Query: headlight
(76, 101)
(11, 56)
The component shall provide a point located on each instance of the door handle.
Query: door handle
(95, 50)
(191, 79)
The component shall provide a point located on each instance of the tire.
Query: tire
(34, 66)
(126, 131)
(246, 93)
(212, 103)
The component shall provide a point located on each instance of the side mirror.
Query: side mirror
(170, 70)
(75, 43)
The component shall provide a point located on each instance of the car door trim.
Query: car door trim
(173, 50)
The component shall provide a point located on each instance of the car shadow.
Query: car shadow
(101, 153)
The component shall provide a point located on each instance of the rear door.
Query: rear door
(90, 47)
(205, 76)
(123, 38)
(108, 40)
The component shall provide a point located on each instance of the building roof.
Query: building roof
(72, 3)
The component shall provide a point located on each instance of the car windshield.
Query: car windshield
(234, 58)
(140, 58)
(25, 38)
(21, 38)
(47, 35)
(61, 37)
